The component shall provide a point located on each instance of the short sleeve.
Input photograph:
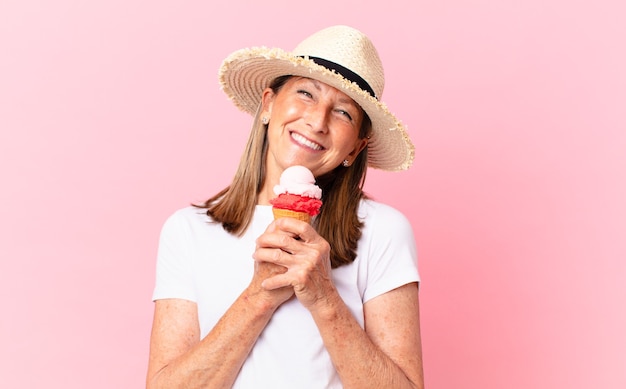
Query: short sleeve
(392, 253)
(174, 263)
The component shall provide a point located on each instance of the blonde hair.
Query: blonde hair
(342, 191)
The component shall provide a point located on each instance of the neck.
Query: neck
(272, 178)
(267, 193)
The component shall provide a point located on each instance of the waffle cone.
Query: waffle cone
(278, 212)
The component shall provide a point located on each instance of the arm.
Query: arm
(388, 352)
(180, 359)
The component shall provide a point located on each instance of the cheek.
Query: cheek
(285, 109)
(348, 137)
(292, 111)
(273, 133)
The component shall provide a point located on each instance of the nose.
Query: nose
(317, 118)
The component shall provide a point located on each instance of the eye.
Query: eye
(305, 93)
(345, 113)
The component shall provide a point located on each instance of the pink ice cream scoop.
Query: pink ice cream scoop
(298, 196)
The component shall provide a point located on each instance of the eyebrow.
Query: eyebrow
(343, 99)
(315, 83)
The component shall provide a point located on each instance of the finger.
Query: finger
(276, 282)
(267, 269)
(273, 255)
(294, 227)
(285, 242)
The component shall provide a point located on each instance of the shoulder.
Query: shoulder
(383, 220)
(189, 217)
(380, 212)
(387, 249)
(191, 214)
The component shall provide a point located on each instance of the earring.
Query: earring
(345, 163)
(265, 120)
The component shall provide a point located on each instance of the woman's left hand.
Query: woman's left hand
(306, 255)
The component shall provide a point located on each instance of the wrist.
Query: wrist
(259, 302)
(328, 307)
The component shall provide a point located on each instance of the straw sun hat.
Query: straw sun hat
(339, 56)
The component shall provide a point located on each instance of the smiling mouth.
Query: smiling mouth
(305, 142)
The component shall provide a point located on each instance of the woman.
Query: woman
(246, 301)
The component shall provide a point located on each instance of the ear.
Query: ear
(358, 147)
(267, 100)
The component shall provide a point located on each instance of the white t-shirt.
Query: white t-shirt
(200, 262)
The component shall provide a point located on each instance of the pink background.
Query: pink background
(111, 118)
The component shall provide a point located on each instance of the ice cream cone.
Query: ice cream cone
(279, 212)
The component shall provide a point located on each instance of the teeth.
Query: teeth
(305, 142)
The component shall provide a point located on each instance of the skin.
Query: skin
(311, 124)
(314, 125)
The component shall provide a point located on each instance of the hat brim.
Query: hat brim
(246, 73)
